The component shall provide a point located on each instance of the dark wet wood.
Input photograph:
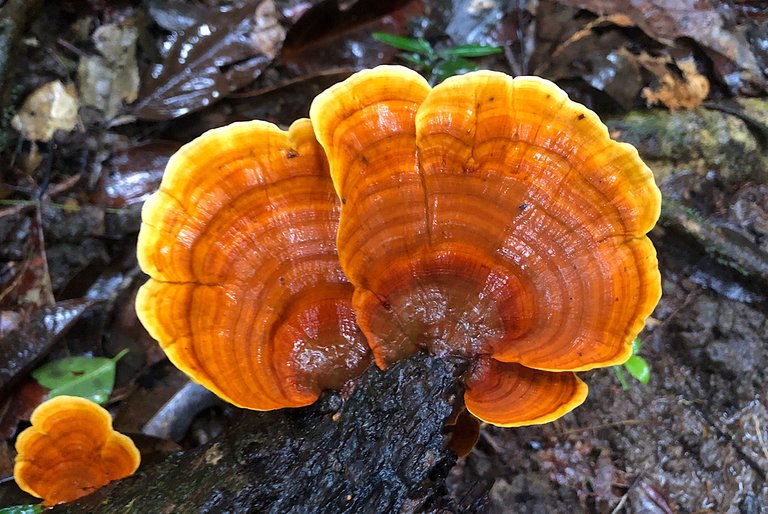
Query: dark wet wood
(380, 450)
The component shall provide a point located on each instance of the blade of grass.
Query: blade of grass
(413, 45)
(620, 376)
(416, 60)
(470, 51)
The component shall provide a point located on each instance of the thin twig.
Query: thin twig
(333, 72)
(60, 206)
(760, 436)
(72, 48)
(623, 500)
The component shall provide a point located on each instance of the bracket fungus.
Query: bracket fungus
(492, 218)
(247, 295)
(71, 450)
(487, 217)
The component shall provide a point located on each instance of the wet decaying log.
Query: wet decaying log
(379, 450)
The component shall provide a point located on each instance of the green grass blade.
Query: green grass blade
(408, 44)
(470, 51)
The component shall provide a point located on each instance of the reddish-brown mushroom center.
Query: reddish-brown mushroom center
(319, 340)
(449, 300)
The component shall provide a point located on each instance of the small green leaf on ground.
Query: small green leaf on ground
(417, 60)
(638, 368)
(22, 509)
(88, 377)
(419, 46)
(451, 67)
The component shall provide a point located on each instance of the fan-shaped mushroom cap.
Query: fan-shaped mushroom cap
(246, 294)
(511, 395)
(490, 216)
(71, 450)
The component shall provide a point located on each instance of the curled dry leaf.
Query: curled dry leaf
(50, 108)
(733, 59)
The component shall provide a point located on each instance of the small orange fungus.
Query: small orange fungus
(71, 450)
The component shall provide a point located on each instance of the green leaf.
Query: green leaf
(470, 51)
(638, 368)
(416, 60)
(409, 44)
(620, 376)
(88, 377)
(451, 67)
(22, 509)
(636, 344)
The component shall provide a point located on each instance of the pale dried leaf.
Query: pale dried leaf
(109, 80)
(50, 108)
(268, 35)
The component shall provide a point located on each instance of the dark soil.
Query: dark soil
(692, 440)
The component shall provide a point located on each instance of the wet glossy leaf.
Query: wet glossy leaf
(23, 346)
(88, 377)
(135, 173)
(638, 368)
(470, 51)
(19, 405)
(211, 59)
(334, 35)
(175, 15)
(413, 45)
(22, 509)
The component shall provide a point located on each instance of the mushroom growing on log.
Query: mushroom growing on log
(380, 449)
(487, 218)
(492, 218)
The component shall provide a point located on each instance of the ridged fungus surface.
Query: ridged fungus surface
(71, 450)
(247, 295)
(492, 218)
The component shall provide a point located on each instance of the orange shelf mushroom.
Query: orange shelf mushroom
(246, 294)
(71, 450)
(493, 218)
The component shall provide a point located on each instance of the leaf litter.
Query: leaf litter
(211, 64)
